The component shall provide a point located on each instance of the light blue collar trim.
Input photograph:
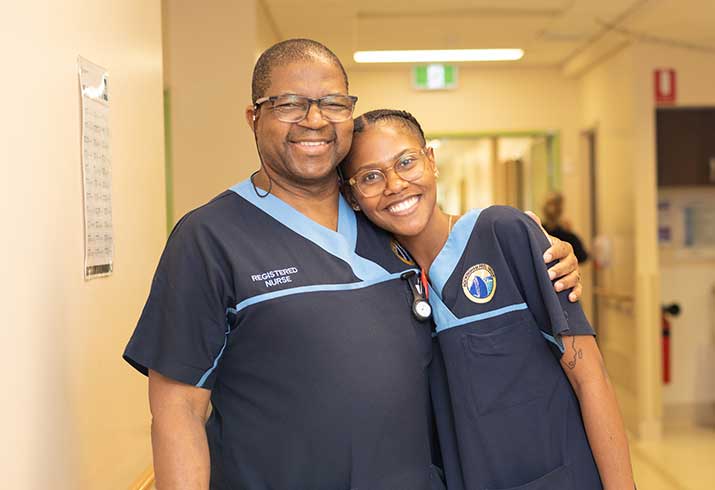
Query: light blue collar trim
(444, 319)
(341, 244)
(442, 315)
(448, 258)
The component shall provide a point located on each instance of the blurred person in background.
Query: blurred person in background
(555, 224)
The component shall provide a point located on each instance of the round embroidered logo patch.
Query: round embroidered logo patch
(479, 283)
(401, 252)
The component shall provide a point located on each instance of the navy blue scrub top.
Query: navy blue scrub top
(305, 337)
(506, 414)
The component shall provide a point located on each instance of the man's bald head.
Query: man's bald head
(286, 52)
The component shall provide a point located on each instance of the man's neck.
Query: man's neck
(317, 201)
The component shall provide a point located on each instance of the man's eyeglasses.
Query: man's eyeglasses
(294, 108)
(372, 182)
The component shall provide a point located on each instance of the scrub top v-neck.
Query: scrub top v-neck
(506, 414)
(305, 337)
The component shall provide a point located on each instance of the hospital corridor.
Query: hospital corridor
(119, 118)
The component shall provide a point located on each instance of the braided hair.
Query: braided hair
(404, 118)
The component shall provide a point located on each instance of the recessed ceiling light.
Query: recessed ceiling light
(438, 55)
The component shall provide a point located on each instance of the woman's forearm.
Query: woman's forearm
(606, 434)
(584, 367)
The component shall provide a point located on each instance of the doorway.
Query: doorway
(481, 169)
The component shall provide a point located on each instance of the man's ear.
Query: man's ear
(251, 117)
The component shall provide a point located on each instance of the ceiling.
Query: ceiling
(552, 32)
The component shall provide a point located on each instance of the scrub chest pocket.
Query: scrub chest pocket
(558, 479)
(506, 365)
(513, 385)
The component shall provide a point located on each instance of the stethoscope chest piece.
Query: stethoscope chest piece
(421, 309)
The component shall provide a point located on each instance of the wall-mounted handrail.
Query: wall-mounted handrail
(616, 295)
(145, 481)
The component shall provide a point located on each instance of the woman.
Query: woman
(517, 359)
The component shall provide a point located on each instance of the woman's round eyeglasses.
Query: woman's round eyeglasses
(371, 182)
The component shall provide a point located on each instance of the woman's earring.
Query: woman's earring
(436, 173)
(355, 207)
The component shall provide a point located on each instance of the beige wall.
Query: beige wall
(267, 33)
(608, 106)
(75, 415)
(211, 50)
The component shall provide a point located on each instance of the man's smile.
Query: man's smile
(312, 146)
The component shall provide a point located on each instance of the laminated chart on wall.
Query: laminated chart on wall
(96, 170)
(699, 227)
(665, 222)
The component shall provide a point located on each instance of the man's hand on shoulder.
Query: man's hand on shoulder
(565, 272)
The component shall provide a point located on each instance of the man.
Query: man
(291, 314)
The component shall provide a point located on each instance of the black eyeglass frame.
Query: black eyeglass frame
(272, 99)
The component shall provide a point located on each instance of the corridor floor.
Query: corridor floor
(684, 459)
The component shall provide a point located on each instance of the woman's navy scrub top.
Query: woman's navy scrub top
(506, 413)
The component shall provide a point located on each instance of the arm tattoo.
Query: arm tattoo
(577, 354)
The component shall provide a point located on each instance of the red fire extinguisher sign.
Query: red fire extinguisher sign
(664, 85)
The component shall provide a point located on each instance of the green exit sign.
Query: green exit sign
(434, 77)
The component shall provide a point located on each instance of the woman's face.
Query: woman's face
(390, 154)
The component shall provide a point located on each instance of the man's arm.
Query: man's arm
(584, 367)
(566, 269)
(178, 434)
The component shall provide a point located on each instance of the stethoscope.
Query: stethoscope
(421, 309)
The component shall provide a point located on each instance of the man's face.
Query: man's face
(308, 151)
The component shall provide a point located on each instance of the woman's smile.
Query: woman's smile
(405, 206)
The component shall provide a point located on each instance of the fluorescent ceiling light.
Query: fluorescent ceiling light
(438, 55)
